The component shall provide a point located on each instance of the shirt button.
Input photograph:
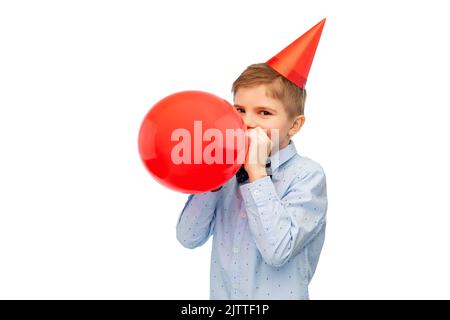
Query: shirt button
(243, 215)
(235, 250)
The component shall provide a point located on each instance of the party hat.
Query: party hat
(295, 60)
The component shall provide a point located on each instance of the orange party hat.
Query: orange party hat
(295, 60)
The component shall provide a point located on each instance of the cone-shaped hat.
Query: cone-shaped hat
(295, 60)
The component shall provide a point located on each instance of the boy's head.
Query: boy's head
(267, 99)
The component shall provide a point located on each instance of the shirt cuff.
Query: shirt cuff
(258, 192)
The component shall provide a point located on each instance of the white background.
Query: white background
(80, 217)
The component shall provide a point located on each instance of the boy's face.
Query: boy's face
(259, 110)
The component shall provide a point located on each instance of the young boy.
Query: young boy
(268, 227)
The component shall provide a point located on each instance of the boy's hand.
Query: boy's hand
(259, 149)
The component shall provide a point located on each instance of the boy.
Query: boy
(268, 227)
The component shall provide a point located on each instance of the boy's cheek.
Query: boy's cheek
(274, 134)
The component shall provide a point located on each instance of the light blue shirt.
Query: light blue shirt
(267, 234)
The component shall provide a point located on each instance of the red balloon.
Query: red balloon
(192, 141)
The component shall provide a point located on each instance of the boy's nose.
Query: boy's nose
(249, 122)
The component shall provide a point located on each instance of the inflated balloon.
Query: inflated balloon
(192, 141)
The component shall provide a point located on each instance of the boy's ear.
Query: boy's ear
(297, 125)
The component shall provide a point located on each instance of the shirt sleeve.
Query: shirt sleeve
(283, 226)
(196, 222)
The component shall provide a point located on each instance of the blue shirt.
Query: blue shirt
(267, 234)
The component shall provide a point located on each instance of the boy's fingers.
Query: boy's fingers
(266, 131)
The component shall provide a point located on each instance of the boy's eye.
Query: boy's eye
(240, 110)
(265, 113)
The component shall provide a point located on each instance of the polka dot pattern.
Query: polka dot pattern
(267, 234)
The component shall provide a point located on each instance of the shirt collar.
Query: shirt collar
(282, 155)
